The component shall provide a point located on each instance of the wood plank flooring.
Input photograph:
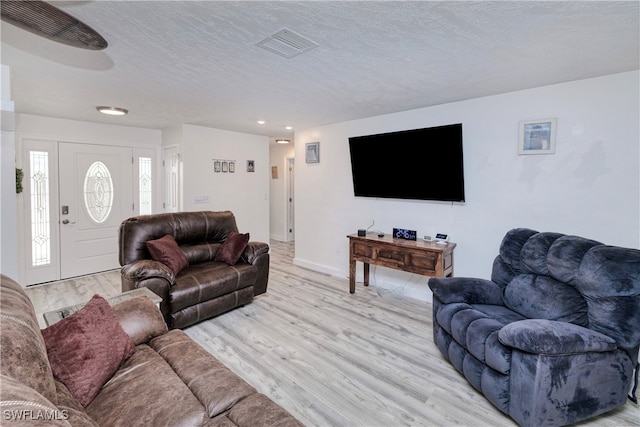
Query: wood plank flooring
(329, 357)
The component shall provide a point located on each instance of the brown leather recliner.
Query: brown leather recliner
(206, 288)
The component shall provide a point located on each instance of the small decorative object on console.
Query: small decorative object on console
(401, 233)
(442, 238)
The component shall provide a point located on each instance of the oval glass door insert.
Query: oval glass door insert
(98, 192)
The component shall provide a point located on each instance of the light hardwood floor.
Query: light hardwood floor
(329, 357)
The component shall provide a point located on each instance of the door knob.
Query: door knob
(66, 221)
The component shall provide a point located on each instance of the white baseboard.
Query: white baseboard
(419, 291)
(318, 267)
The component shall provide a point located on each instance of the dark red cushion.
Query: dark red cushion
(232, 248)
(167, 251)
(86, 348)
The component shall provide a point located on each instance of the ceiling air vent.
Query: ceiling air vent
(287, 43)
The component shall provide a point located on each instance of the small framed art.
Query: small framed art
(537, 137)
(251, 165)
(312, 152)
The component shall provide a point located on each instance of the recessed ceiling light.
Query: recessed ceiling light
(288, 127)
(282, 141)
(261, 122)
(112, 111)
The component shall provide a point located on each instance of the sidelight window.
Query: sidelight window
(40, 205)
(145, 188)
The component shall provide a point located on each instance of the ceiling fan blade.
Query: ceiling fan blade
(48, 21)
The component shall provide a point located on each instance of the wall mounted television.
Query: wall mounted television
(418, 164)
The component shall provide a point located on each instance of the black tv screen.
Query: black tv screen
(420, 164)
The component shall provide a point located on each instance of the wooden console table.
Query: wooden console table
(426, 258)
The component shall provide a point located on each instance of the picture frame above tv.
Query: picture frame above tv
(537, 137)
(418, 164)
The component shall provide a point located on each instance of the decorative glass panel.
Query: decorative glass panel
(144, 166)
(98, 192)
(40, 223)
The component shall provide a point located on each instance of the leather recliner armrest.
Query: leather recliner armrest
(253, 250)
(140, 319)
(146, 269)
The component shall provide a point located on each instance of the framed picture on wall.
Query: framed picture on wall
(217, 166)
(251, 165)
(312, 152)
(225, 166)
(537, 137)
(232, 167)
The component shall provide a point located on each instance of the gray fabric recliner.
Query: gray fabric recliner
(553, 337)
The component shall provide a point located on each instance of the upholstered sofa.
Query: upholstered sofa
(553, 337)
(169, 380)
(206, 286)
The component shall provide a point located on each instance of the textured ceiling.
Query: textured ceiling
(174, 62)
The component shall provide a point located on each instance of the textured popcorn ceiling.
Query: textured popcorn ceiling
(173, 62)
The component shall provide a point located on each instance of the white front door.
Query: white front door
(96, 195)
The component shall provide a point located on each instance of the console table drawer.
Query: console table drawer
(395, 256)
(425, 260)
(365, 251)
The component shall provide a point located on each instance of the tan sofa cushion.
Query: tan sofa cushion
(146, 391)
(209, 380)
(23, 354)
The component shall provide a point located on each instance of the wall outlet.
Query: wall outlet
(200, 200)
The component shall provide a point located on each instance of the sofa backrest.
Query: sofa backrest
(573, 279)
(23, 354)
(187, 228)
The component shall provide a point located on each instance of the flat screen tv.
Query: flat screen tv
(419, 164)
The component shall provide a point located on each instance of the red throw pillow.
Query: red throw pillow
(86, 348)
(167, 251)
(232, 248)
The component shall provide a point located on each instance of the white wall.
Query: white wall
(8, 211)
(590, 187)
(244, 193)
(49, 128)
(278, 154)
(8, 208)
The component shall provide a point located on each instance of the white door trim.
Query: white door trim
(290, 231)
